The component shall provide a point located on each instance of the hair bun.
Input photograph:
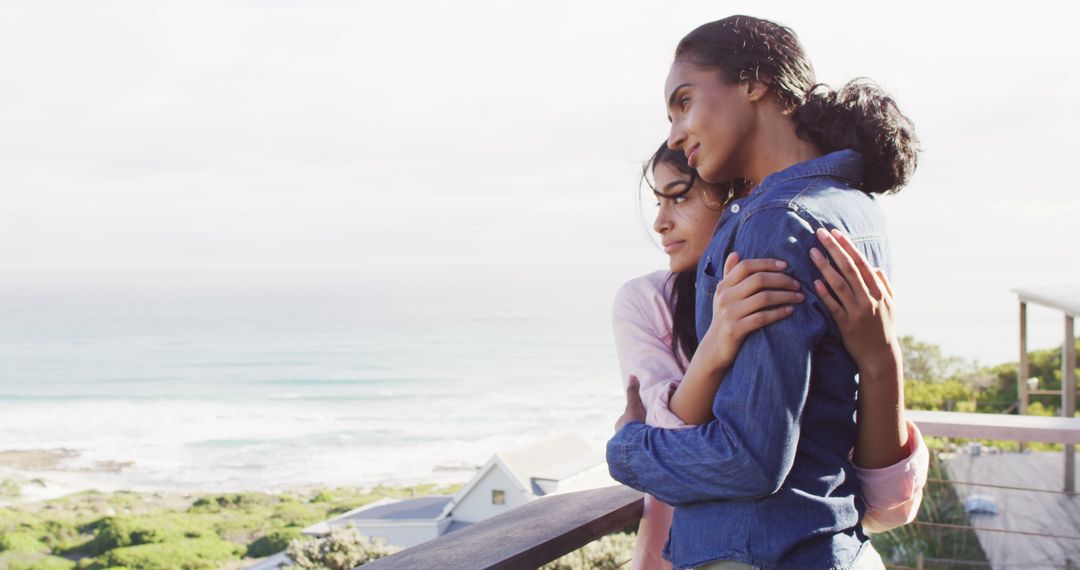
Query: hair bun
(861, 116)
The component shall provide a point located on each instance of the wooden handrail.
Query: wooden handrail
(527, 536)
(997, 426)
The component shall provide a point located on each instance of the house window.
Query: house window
(498, 497)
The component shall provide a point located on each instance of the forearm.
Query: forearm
(681, 467)
(883, 435)
(693, 399)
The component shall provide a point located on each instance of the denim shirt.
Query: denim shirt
(768, 482)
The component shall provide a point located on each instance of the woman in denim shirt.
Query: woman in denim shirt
(655, 337)
(767, 482)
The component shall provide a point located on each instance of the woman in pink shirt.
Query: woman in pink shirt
(656, 340)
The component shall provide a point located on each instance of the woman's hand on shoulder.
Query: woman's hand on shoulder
(860, 301)
(753, 293)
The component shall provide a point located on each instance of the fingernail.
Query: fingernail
(800, 296)
(780, 264)
(788, 309)
(796, 283)
(822, 232)
(815, 254)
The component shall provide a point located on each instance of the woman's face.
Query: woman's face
(710, 120)
(686, 223)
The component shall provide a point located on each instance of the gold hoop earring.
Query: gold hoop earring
(730, 196)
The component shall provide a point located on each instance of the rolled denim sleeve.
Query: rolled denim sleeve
(748, 450)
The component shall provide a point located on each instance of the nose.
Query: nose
(677, 136)
(662, 224)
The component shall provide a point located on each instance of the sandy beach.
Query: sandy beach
(32, 475)
(28, 475)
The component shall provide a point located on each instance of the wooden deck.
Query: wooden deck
(1053, 513)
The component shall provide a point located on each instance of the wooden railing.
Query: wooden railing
(997, 426)
(541, 531)
(528, 536)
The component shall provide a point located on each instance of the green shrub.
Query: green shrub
(12, 520)
(608, 553)
(233, 501)
(116, 532)
(239, 526)
(342, 549)
(323, 496)
(189, 554)
(60, 535)
(21, 542)
(273, 542)
(11, 560)
(297, 514)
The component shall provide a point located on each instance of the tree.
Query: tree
(924, 362)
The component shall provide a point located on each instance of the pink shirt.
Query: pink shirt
(642, 322)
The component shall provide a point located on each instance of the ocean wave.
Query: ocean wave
(341, 381)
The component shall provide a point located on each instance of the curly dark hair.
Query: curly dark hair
(859, 116)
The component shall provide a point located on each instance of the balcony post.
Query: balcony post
(1022, 372)
(1068, 397)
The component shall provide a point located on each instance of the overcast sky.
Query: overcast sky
(374, 144)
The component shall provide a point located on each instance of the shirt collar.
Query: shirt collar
(844, 163)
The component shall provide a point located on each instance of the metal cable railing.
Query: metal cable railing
(1018, 488)
(996, 486)
(974, 563)
(1001, 530)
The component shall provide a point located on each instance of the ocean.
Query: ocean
(230, 392)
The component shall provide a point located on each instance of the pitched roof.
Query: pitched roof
(421, 508)
(555, 459)
(1064, 299)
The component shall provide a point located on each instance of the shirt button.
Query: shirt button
(734, 208)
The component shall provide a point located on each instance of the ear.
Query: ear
(755, 90)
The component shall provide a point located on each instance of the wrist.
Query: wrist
(885, 367)
(712, 354)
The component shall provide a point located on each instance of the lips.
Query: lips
(670, 246)
(691, 155)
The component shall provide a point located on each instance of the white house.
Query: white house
(559, 465)
(512, 478)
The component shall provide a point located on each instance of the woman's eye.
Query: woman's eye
(657, 203)
(679, 199)
(684, 102)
